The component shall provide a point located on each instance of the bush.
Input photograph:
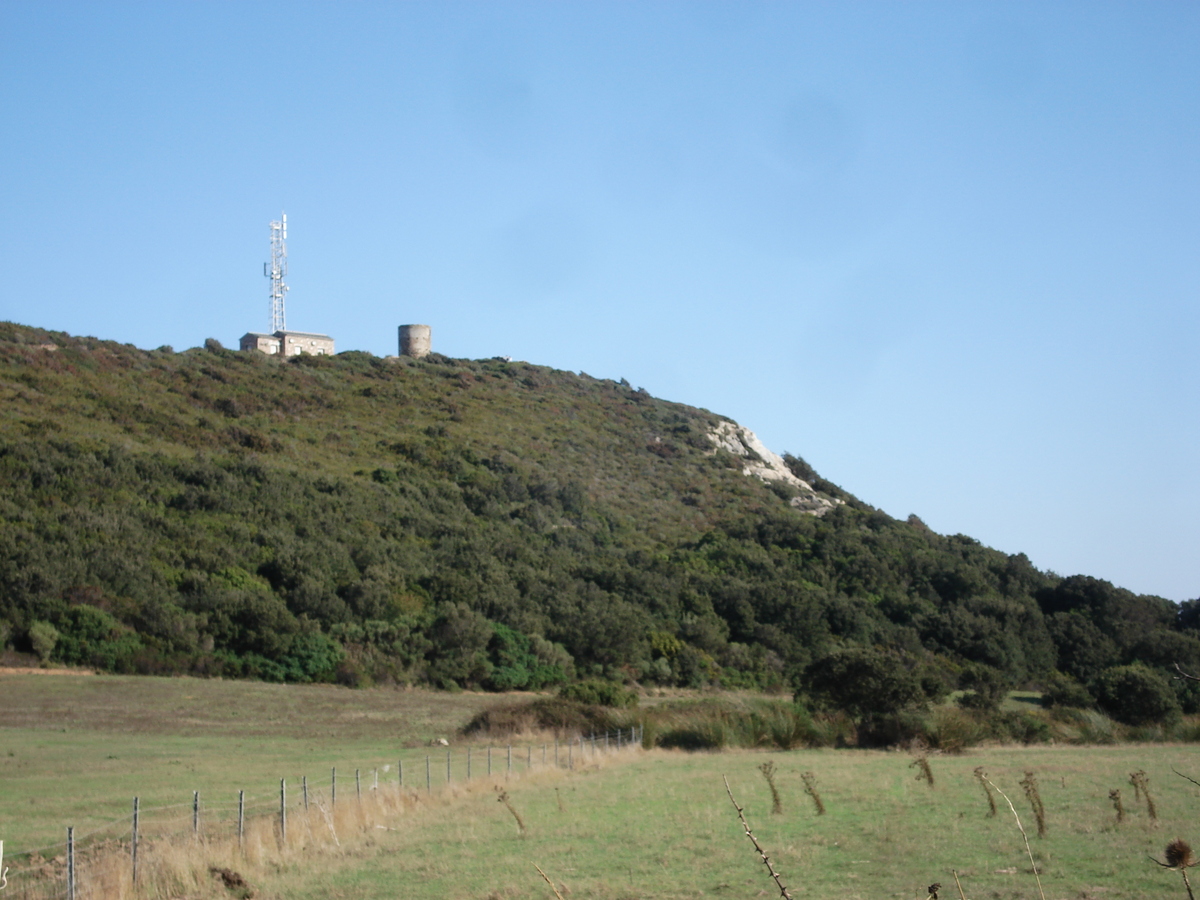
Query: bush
(599, 693)
(862, 681)
(1136, 695)
(1062, 690)
(42, 637)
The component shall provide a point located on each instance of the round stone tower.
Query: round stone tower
(415, 340)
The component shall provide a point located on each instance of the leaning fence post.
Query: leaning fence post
(70, 863)
(133, 840)
(283, 810)
(304, 787)
(241, 819)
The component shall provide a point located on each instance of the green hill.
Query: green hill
(480, 523)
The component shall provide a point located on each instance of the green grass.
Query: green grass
(75, 750)
(663, 827)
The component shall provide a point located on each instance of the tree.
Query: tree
(1136, 695)
(43, 636)
(863, 681)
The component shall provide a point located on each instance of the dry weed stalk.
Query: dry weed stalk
(924, 773)
(1029, 783)
(783, 892)
(1141, 788)
(548, 881)
(981, 776)
(502, 797)
(1024, 836)
(1115, 796)
(958, 884)
(810, 788)
(768, 770)
(1180, 857)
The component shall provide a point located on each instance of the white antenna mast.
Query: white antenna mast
(276, 269)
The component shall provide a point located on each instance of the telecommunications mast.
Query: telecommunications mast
(276, 269)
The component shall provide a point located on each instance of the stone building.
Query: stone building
(288, 343)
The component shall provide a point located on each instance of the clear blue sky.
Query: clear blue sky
(947, 252)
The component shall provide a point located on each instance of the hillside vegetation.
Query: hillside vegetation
(483, 523)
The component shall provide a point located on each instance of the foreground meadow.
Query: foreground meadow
(617, 826)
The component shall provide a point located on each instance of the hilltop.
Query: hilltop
(482, 523)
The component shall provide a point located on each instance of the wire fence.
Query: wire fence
(64, 870)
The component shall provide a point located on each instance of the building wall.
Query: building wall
(416, 340)
(295, 344)
(267, 343)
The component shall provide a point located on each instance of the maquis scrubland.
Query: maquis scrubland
(499, 525)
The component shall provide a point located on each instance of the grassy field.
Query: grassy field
(640, 825)
(74, 750)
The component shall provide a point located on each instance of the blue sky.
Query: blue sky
(947, 252)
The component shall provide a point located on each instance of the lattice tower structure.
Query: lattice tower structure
(276, 270)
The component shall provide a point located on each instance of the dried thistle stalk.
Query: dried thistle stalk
(1115, 797)
(810, 788)
(783, 891)
(502, 797)
(1029, 783)
(981, 776)
(768, 770)
(924, 773)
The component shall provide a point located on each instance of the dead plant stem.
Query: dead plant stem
(783, 892)
(1024, 836)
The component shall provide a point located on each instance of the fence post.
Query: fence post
(509, 770)
(528, 757)
(374, 779)
(70, 863)
(468, 762)
(400, 771)
(283, 810)
(195, 813)
(447, 767)
(618, 738)
(333, 786)
(134, 839)
(489, 761)
(556, 752)
(606, 742)
(428, 780)
(241, 819)
(357, 786)
(570, 754)
(304, 787)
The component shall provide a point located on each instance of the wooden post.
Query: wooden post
(570, 754)
(241, 819)
(304, 788)
(529, 757)
(468, 763)
(375, 779)
(70, 863)
(428, 779)
(509, 770)
(333, 787)
(400, 771)
(618, 738)
(195, 813)
(556, 753)
(133, 843)
(357, 786)
(447, 767)
(283, 810)
(489, 762)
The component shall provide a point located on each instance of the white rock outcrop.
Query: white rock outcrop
(767, 465)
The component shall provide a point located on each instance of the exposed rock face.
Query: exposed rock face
(768, 465)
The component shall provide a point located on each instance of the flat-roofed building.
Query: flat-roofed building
(289, 343)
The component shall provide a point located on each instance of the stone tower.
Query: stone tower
(415, 340)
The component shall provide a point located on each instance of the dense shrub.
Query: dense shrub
(599, 693)
(1135, 695)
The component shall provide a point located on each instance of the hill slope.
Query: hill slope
(477, 523)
